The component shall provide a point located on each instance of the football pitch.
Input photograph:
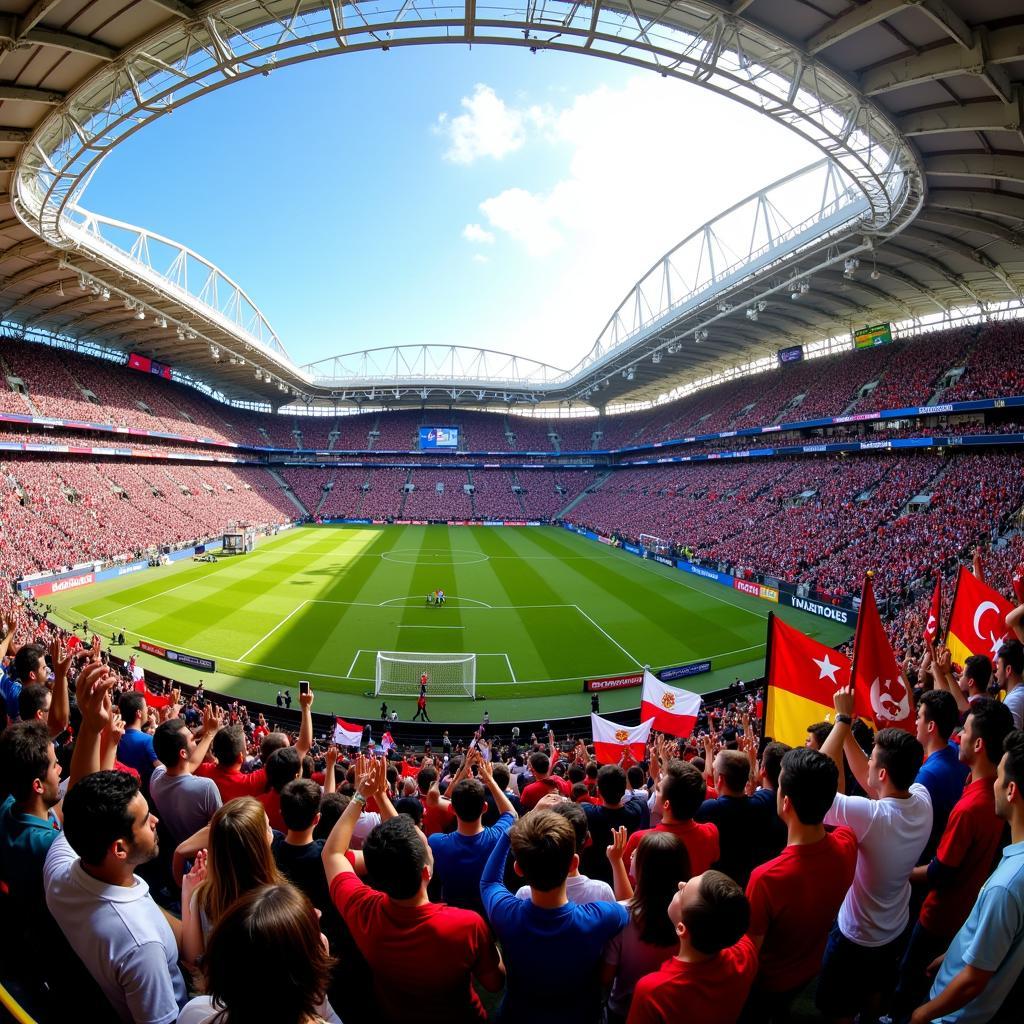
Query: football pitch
(542, 609)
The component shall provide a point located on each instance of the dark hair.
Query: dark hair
(169, 741)
(283, 765)
(300, 804)
(468, 799)
(993, 722)
(96, 814)
(940, 708)
(578, 792)
(1012, 652)
(276, 740)
(719, 916)
(24, 757)
(734, 767)
(426, 777)
(395, 856)
(592, 770)
(611, 783)
(576, 773)
(31, 700)
(660, 863)
(683, 786)
(539, 763)
(1013, 748)
(577, 817)
(269, 932)
(411, 808)
(900, 754)
(811, 780)
(132, 706)
(978, 669)
(26, 661)
(820, 731)
(635, 777)
(228, 743)
(332, 807)
(501, 775)
(771, 761)
(543, 844)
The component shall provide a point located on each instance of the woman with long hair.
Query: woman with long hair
(266, 960)
(237, 859)
(660, 864)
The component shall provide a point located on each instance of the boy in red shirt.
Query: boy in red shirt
(795, 898)
(423, 955)
(709, 978)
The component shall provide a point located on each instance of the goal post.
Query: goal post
(448, 675)
(655, 544)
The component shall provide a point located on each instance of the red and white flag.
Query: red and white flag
(931, 627)
(877, 673)
(346, 734)
(387, 742)
(674, 710)
(611, 740)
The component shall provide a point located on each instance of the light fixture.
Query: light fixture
(875, 275)
(181, 335)
(761, 305)
(82, 283)
(162, 322)
(850, 266)
(724, 307)
(191, 335)
(752, 313)
(656, 358)
(140, 314)
(105, 294)
(701, 335)
(259, 373)
(794, 296)
(805, 287)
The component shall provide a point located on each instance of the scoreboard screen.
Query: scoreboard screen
(146, 365)
(793, 354)
(869, 337)
(439, 437)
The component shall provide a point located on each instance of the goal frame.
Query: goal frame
(419, 662)
(660, 546)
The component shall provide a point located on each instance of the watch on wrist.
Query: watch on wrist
(359, 798)
(844, 719)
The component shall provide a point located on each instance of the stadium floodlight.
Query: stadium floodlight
(761, 305)
(724, 307)
(128, 304)
(140, 314)
(850, 266)
(162, 322)
(181, 336)
(752, 313)
(191, 335)
(701, 335)
(805, 287)
(656, 358)
(794, 296)
(105, 294)
(83, 283)
(259, 373)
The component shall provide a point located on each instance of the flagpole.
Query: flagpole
(860, 621)
(938, 618)
(767, 686)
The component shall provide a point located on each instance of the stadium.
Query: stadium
(803, 425)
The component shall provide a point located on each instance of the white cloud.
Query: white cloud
(488, 128)
(479, 257)
(478, 234)
(525, 217)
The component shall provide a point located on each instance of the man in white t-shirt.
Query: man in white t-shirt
(892, 824)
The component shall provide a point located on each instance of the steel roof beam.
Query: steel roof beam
(1004, 166)
(176, 7)
(986, 116)
(10, 91)
(68, 41)
(999, 204)
(951, 243)
(968, 222)
(853, 21)
(34, 15)
(14, 135)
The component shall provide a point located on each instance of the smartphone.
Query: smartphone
(303, 686)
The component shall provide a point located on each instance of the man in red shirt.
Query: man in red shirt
(543, 782)
(795, 898)
(709, 978)
(968, 848)
(680, 793)
(424, 956)
(438, 814)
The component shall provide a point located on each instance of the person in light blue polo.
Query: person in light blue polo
(986, 958)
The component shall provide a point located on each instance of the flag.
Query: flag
(977, 621)
(876, 672)
(387, 743)
(674, 711)
(611, 740)
(802, 674)
(346, 734)
(931, 628)
(153, 700)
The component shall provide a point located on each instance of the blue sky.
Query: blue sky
(488, 197)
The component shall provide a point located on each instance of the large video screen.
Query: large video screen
(439, 437)
(146, 365)
(793, 354)
(869, 337)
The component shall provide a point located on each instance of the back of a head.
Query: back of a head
(719, 916)
(169, 741)
(332, 807)
(96, 814)
(502, 776)
(819, 733)
(426, 777)
(978, 669)
(300, 804)
(468, 798)
(32, 699)
(24, 757)
(228, 745)
(132, 706)
(395, 856)
(271, 933)
(660, 863)
(992, 721)
(611, 783)
(539, 763)
(577, 817)
(811, 780)
(411, 807)
(682, 785)
(1012, 656)
(1012, 762)
(271, 742)
(283, 765)
(771, 761)
(635, 777)
(734, 768)
(900, 754)
(940, 707)
(543, 844)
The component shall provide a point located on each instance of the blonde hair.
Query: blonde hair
(239, 857)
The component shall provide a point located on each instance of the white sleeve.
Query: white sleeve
(59, 859)
(146, 982)
(855, 812)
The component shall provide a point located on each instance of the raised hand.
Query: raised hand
(194, 878)
(93, 695)
(60, 658)
(618, 848)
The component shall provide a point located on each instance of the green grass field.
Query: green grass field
(540, 607)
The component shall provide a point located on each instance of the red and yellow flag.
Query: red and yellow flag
(877, 676)
(802, 674)
(977, 622)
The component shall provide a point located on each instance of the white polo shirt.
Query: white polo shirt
(120, 935)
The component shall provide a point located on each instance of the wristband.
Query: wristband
(359, 798)
(844, 719)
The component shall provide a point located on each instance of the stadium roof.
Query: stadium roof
(917, 107)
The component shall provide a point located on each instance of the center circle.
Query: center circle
(435, 556)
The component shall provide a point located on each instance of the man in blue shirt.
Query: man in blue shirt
(942, 774)
(136, 747)
(986, 958)
(460, 856)
(552, 947)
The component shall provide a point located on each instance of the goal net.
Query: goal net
(448, 675)
(655, 544)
